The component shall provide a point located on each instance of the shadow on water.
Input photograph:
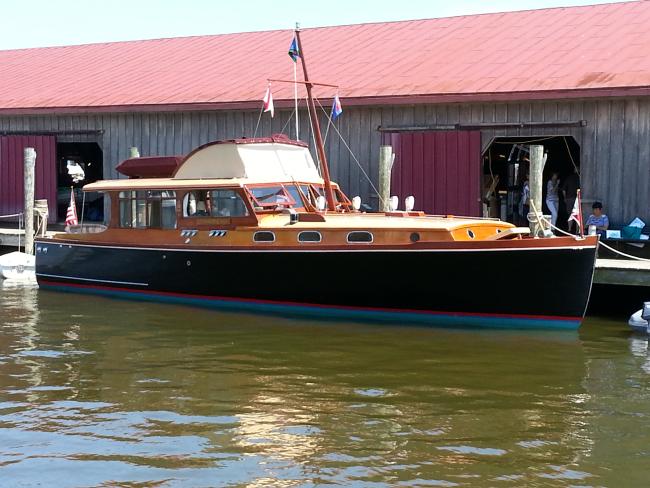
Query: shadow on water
(96, 391)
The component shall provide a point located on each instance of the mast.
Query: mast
(329, 193)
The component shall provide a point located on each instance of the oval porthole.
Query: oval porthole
(264, 236)
(359, 236)
(470, 233)
(309, 236)
(415, 237)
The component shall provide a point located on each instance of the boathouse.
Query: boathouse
(458, 99)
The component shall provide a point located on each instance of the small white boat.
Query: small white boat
(18, 266)
(639, 321)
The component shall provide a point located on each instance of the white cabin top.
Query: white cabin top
(268, 159)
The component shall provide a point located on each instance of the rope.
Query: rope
(629, 256)
(8, 216)
(600, 243)
(313, 137)
(287, 123)
(354, 157)
(258, 121)
(575, 168)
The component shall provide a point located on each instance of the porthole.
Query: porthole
(264, 236)
(309, 236)
(359, 236)
(415, 237)
(470, 233)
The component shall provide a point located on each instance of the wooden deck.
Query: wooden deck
(627, 272)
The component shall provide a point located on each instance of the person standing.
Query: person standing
(524, 202)
(569, 189)
(553, 197)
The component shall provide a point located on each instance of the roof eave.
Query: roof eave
(613, 92)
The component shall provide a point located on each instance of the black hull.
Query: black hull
(540, 287)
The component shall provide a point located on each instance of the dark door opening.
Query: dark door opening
(89, 157)
(505, 169)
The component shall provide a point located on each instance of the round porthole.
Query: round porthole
(470, 233)
(189, 263)
(415, 237)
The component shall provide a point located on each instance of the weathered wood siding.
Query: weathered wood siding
(615, 144)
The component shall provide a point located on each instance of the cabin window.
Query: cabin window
(264, 236)
(309, 236)
(214, 203)
(272, 196)
(359, 236)
(148, 208)
(227, 203)
(294, 192)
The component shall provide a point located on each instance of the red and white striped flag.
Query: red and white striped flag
(576, 213)
(71, 214)
(268, 101)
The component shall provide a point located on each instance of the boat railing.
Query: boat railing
(85, 229)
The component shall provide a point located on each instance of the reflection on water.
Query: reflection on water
(98, 392)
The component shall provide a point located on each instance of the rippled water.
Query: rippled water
(99, 392)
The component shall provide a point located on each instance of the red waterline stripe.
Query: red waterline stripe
(313, 305)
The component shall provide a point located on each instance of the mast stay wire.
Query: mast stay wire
(313, 138)
(350, 151)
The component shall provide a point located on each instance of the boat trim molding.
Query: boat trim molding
(97, 280)
(321, 249)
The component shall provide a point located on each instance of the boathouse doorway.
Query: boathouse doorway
(440, 168)
(505, 169)
(89, 157)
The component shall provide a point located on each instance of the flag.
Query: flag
(294, 52)
(336, 107)
(576, 213)
(71, 215)
(268, 101)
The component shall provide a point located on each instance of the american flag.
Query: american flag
(71, 214)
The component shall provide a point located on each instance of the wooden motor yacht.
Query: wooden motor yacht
(255, 224)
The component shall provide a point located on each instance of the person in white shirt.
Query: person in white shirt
(552, 197)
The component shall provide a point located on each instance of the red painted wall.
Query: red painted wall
(12, 192)
(441, 169)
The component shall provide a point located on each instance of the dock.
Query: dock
(626, 272)
(11, 237)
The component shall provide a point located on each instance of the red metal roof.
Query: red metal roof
(574, 51)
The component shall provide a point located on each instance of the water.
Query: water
(100, 392)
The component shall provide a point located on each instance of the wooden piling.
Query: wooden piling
(29, 160)
(535, 181)
(386, 158)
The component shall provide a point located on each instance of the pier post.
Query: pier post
(386, 158)
(29, 159)
(535, 181)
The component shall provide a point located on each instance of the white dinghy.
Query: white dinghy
(18, 266)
